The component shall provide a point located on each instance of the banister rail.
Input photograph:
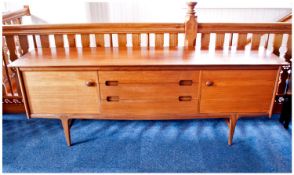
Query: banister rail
(286, 18)
(146, 28)
(244, 28)
(93, 28)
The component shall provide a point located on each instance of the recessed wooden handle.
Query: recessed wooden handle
(112, 98)
(90, 83)
(209, 83)
(111, 83)
(185, 82)
(185, 98)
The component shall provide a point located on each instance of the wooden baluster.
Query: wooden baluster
(85, 40)
(24, 44)
(44, 41)
(148, 40)
(99, 40)
(18, 51)
(278, 38)
(266, 38)
(59, 40)
(5, 57)
(159, 40)
(13, 75)
(110, 40)
(3, 90)
(17, 21)
(255, 41)
(11, 47)
(191, 26)
(16, 80)
(220, 38)
(6, 78)
(242, 41)
(34, 41)
(205, 39)
(282, 81)
(231, 40)
(122, 40)
(173, 40)
(136, 39)
(288, 54)
(276, 50)
(71, 40)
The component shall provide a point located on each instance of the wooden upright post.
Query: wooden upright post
(190, 26)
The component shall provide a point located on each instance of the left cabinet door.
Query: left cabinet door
(62, 92)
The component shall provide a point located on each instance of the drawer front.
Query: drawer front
(237, 90)
(149, 91)
(149, 107)
(122, 77)
(53, 92)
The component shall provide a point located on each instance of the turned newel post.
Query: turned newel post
(190, 26)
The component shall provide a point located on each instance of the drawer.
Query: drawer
(62, 92)
(149, 91)
(237, 90)
(122, 77)
(149, 107)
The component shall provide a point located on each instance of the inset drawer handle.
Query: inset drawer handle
(112, 98)
(185, 82)
(185, 98)
(111, 83)
(209, 83)
(90, 83)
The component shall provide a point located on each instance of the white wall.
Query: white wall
(151, 11)
(48, 12)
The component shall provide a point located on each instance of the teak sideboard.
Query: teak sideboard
(146, 82)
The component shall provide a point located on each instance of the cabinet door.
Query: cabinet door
(62, 92)
(237, 90)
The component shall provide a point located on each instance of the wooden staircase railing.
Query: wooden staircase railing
(12, 100)
(16, 16)
(286, 70)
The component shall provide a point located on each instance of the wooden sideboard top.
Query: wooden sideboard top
(63, 57)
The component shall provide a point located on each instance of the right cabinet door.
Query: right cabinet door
(229, 91)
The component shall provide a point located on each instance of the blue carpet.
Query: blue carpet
(38, 145)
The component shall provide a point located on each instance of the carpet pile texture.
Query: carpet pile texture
(38, 145)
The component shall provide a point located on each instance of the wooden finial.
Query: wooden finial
(190, 26)
(191, 6)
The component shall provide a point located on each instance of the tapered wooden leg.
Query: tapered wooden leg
(232, 125)
(69, 123)
(227, 120)
(65, 124)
